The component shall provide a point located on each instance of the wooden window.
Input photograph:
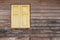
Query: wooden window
(20, 16)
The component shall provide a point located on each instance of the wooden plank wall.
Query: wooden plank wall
(45, 20)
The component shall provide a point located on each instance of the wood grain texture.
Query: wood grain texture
(45, 20)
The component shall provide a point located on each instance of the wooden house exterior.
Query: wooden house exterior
(44, 20)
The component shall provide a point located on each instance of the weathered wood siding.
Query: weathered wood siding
(45, 20)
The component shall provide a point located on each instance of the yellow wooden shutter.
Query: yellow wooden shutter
(20, 16)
